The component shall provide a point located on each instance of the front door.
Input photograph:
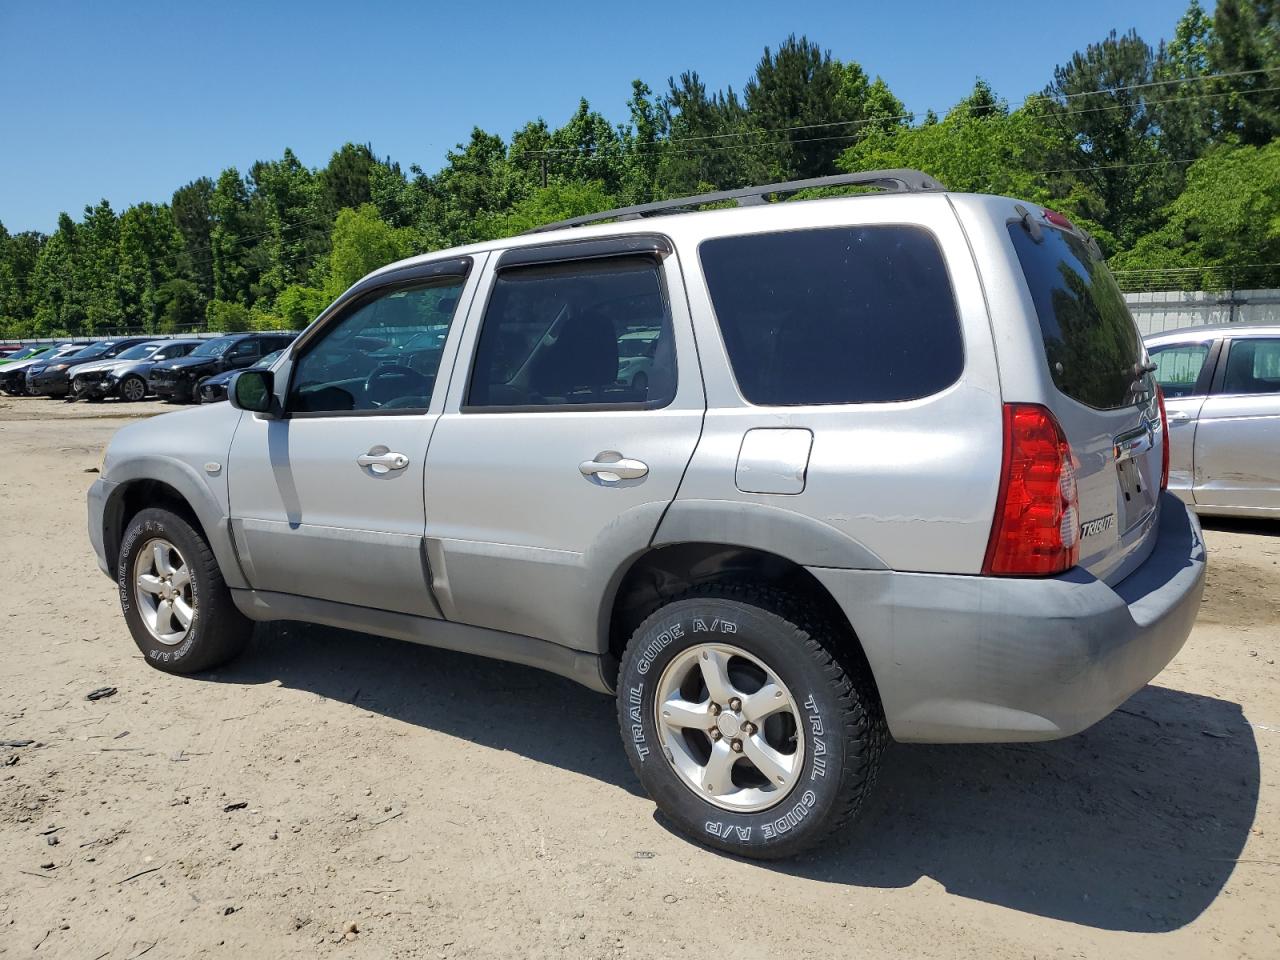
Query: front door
(553, 461)
(1237, 446)
(327, 501)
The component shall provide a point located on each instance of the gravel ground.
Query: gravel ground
(439, 805)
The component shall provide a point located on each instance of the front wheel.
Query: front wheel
(133, 388)
(174, 599)
(743, 724)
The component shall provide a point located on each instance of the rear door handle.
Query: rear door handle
(609, 466)
(381, 463)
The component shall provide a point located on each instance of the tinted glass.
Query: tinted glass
(169, 351)
(383, 355)
(847, 315)
(553, 336)
(1090, 339)
(1253, 366)
(1178, 367)
(246, 348)
(90, 352)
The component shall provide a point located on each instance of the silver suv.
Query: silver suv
(896, 467)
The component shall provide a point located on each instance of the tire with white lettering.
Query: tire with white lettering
(175, 602)
(747, 721)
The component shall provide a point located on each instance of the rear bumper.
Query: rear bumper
(974, 659)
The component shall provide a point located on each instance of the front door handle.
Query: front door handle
(380, 460)
(609, 466)
(1179, 417)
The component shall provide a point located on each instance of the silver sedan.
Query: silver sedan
(1222, 395)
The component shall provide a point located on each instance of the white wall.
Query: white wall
(1160, 310)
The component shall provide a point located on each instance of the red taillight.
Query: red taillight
(1164, 441)
(1036, 530)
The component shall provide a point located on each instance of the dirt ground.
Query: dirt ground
(451, 806)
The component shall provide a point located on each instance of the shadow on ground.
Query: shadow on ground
(1132, 825)
(1255, 525)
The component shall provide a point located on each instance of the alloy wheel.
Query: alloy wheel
(730, 727)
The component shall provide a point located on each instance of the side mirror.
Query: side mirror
(253, 390)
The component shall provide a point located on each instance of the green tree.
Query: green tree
(558, 201)
(347, 180)
(18, 256)
(1227, 218)
(193, 214)
(298, 305)
(799, 97)
(289, 200)
(95, 268)
(150, 254)
(226, 316)
(238, 262)
(179, 305)
(362, 242)
(1247, 40)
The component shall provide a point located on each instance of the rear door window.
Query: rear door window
(1178, 367)
(569, 335)
(844, 315)
(1090, 339)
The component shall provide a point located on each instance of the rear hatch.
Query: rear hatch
(1105, 400)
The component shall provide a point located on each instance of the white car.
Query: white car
(1222, 392)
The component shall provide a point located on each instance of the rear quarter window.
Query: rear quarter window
(1090, 340)
(835, 315)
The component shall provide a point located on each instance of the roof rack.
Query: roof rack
(894, 181)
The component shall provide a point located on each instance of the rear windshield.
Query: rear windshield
(844, 315)
(1090, 339)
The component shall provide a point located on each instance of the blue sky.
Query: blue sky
(128, 101)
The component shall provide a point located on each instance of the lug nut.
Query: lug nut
(748, 728)
(716, 734)
(735, 704)
(715, 709)
(737, 746)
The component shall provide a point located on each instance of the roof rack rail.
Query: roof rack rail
(895, 181)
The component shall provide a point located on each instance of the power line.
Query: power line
(862, 121)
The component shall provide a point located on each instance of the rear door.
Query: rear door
(1184, 370)
(1103, 397)
(1237, 444)
(547, 468)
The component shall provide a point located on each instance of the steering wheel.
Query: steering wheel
(392, 381)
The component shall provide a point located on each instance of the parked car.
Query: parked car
(635, 357)
(22, 353)
(177, 380)
(53, 379)
(909, 483)
(1222, 391)
(214, 389)
(13, 377)
(125, 376)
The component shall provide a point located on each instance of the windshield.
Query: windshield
(91, 352)
(212, 348)
(140, 351)
(26, 353)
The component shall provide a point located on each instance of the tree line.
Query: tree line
(1168, 154)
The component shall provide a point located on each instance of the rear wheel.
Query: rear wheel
(174, 599)
(133, 388)
(745, 724)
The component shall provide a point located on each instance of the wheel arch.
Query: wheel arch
(665, 571)
(170, 485)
